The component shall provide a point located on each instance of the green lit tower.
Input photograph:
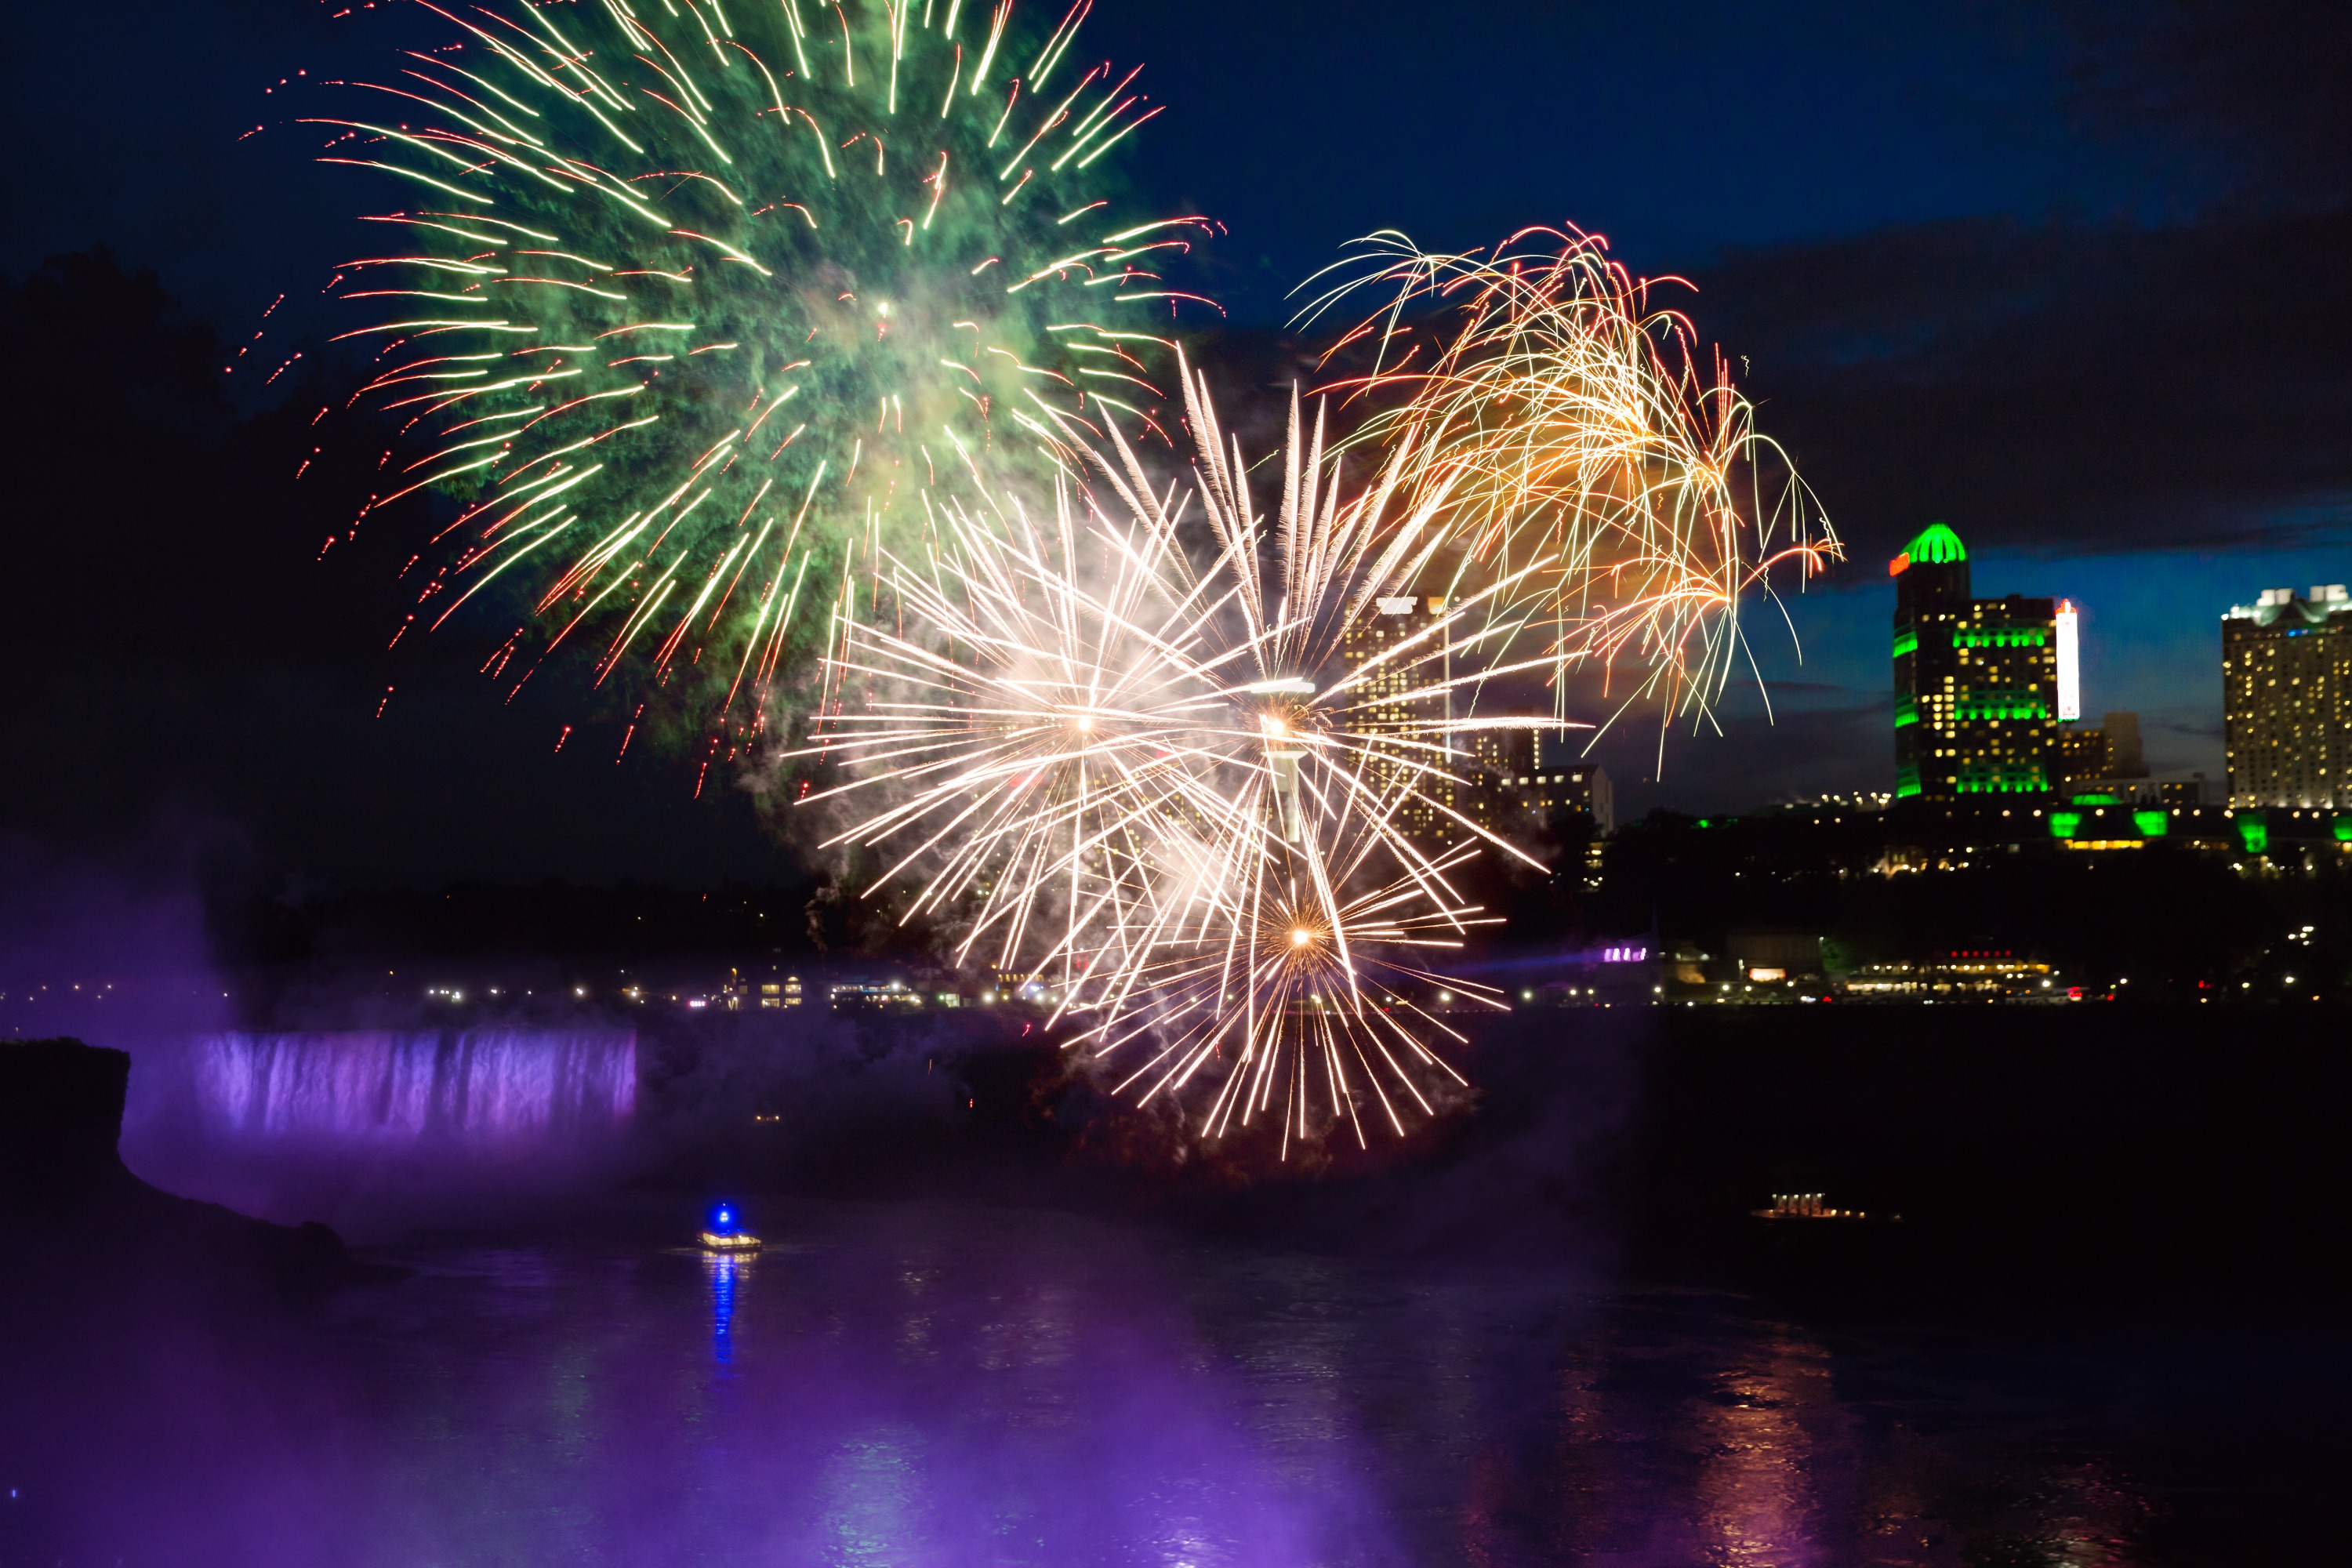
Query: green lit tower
(1976, 680)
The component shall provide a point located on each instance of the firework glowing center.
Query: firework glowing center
(1224, 886)
(1076, 737)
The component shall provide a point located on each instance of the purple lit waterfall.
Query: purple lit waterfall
(372, 1129)
(487, 1089)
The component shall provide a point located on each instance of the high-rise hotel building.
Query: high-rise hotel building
(1388, 708)
(1504, 779)
(2287, 698)
(1980, 684)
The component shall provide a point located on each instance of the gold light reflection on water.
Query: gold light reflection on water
(2095, 1514)
(1756, 1498)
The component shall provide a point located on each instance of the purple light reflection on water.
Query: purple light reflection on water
(883, 1387)
(913, 1385)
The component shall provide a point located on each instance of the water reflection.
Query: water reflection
(918, 1387)
(2095, 1519)
(725, 1271)
(1756, 1493)
(871, 1488)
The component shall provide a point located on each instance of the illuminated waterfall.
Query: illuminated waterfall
(487, 1089)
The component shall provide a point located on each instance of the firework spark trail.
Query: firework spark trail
(1209, 770)
(837, 342)
(672, 270)
(1541, 421)
(1313, 996)
(1136, 748)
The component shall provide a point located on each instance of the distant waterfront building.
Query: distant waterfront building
(2178, 789)
(2287, 698)
(2077, 753)
(1983, 973)
(1501, 764)
(1838, 801)
(874, 996)
(1584, 787)
(1977, 683)
(776, 991)
(1507, 776)
(1526, 775)
(2107, 766)
(1766, 955)
(2125, 759)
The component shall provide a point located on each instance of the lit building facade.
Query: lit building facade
(1531, 772)
(2107, 766)
(1986, 974)
(1389, 710)
(1977, 681)
(1501, 777)
(739, 992)
(2287, 698)
(1570, 786)
(2078, 754)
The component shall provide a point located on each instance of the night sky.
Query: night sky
(2071, 278)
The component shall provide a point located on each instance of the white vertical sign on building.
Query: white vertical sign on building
(2070, 673)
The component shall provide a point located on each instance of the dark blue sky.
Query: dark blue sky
(2068, 276)
(1680, 131)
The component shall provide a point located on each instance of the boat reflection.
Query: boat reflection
(725, 1271)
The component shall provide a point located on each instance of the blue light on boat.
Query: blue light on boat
(723, 1230)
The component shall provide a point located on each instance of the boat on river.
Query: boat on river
(724, 1232)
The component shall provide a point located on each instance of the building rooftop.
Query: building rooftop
(1936, 546)
(2324, 601)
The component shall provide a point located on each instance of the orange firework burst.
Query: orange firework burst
(1543, 422)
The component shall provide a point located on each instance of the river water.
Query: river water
(929, 1384)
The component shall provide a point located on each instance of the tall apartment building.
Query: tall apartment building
(1980, 684)
(1501, 776)
(1395, 618)
(2287, 698)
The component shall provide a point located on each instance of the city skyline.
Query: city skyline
(2149, 644)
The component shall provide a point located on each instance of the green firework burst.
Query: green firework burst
(699, 310)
